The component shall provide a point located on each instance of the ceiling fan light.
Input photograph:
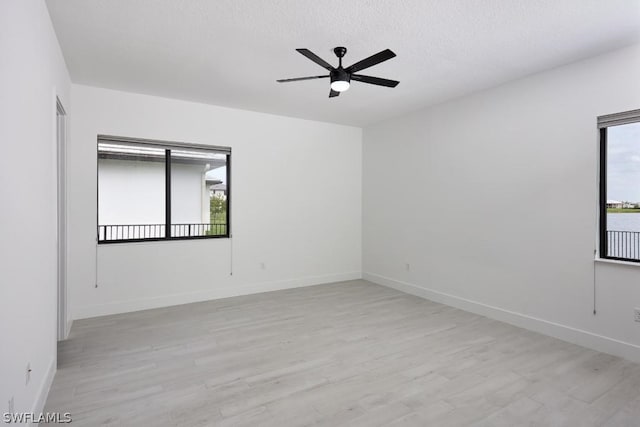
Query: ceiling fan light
(340, 85)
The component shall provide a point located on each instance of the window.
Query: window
(620, 186)
(153, 190)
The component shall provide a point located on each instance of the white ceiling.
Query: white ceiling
(230, 52)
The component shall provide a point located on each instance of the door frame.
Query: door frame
(61, 190)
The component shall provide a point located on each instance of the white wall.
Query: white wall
(492, 200)
(32, 73)
(295, 205)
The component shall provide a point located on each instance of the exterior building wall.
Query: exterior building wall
(133, 192)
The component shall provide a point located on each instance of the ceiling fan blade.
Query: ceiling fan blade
(297, 79)
(371, 61)
(333, 93)
(315, 58)
(374, 80)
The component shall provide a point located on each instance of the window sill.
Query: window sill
(160, 240)
(616, 261)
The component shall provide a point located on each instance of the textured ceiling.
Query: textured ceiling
(230, 52)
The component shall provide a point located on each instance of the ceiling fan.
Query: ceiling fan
(341, 77)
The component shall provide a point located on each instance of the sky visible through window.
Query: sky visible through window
(218, 173)
(623, 163)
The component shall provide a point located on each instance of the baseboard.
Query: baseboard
(581, 337)
(43, 393)
(96, 310)
(68, 328)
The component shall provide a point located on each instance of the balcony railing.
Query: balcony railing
(119, 232)
(623, 244)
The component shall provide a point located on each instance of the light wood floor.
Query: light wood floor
(350, 353)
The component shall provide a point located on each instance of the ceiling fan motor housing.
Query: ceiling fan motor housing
(339, 74)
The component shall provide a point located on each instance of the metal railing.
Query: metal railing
(623, 244)
(194, 230)
(116, 232)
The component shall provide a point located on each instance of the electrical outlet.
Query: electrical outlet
(28, 373)
(407, 266)
(10, 408)
(263, 266)
(636, 314)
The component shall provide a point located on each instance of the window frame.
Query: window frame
(167, 146)
(604, 123)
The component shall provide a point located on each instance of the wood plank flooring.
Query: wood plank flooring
(350, 353)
